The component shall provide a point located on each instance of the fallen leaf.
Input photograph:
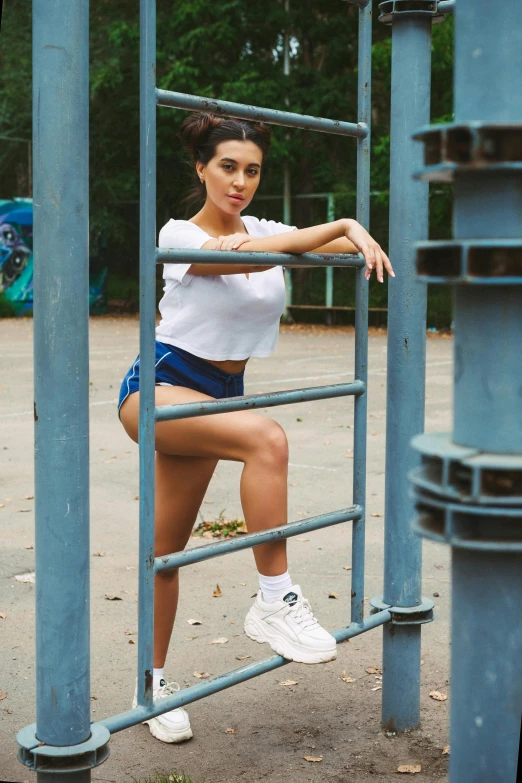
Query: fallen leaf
(242, 584)
(113, 598)
(313, 758)
(409, 768)
(345, 678)
(23, 510)
(130, 633)
(2, 695)
(373, 670)
(376, 515)
(288, 682)
(95, 698)
(2, 505)
(194, 622)
(422, 661)
(136, 497)
(29, 497)
(190, 638)
(131, 641)
(377, 688)
(230, 731)
(221, 640)
(217, 592)
(201, 675)
(208, 501)
(242, 657)
(446, 750)
(436, 595)
(438, 696)
(98, 554)
(29, 577)
(297, 538)
(347, 568)
(333, 595)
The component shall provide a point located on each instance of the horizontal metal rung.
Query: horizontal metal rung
(181, 100)
(257, 258)
(243, 673)
(199, 553)
(188, 410)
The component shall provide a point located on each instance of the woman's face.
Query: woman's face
(234, 171)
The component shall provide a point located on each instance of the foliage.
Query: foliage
(7, 308)
(234, 50)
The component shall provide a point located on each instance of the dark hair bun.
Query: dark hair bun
(195, 130)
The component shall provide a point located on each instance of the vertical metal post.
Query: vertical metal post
(329, 269)
(486, 682)
(287, 194)
(410, 108)
(61, 380)
(361, 314)
(147, 345)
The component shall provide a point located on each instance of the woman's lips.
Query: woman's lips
(236, 199)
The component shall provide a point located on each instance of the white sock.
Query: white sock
(274, 587)
(157, 675)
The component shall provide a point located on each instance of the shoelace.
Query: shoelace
(169, 689)
(303, 614)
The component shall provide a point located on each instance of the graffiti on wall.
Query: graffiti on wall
(16, 259)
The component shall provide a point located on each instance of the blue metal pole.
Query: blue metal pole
(361, 314)
(147, 347)
(61, 361)
(486, 682)
(410, 107)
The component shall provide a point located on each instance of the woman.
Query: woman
(213, 319)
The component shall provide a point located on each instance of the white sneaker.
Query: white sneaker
(290, 628)
(173, 726)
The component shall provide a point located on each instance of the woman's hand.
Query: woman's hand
(373, 253)
(232, 242)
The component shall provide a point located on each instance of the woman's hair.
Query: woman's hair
(201, 132)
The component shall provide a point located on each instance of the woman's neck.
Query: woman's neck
(216, 222)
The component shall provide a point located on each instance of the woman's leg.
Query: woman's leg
(181, 483)
(257, 441)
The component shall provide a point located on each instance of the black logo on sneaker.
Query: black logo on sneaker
(291, 598)
(162, 682)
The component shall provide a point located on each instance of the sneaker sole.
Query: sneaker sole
(286, 648)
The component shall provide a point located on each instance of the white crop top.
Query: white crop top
(220, 317)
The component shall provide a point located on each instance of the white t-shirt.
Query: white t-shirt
(220, 317)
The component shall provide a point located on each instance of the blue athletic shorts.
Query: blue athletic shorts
(176, 367)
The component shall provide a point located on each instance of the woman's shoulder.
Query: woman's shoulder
(263, 227)
(177, 233)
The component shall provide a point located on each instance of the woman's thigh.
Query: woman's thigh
(233, 436)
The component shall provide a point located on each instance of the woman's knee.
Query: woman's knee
(271, 444)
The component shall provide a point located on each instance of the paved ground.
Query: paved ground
(276, 725)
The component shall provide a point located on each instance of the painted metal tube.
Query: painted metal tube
(200, 553)
(61, 364)
(147, 347)
(361, 315)
(446, 6)
(195, 692)
(188, 410)
(411, 77)
(258, 258)
(486, 699)
(180, 100)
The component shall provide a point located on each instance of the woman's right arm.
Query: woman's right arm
(298, 241)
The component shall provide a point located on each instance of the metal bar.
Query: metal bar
(446, 6)
(485, 722)
(244, 673)
(147, 347)
(411, 76)
(200, 553)
(61, 371)
(329, 270)
(188, 410)
(361, 315)
(180, 100)
(257, 258)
